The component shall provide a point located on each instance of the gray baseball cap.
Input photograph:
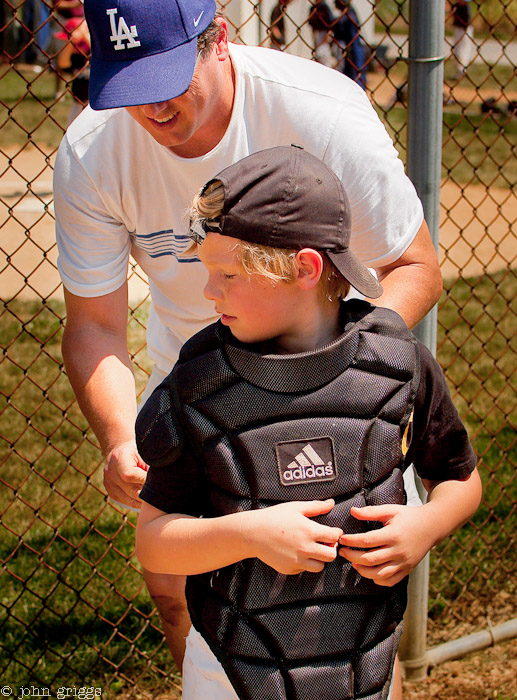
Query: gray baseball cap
(285, 197)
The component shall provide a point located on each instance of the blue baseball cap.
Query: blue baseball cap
(143, 51)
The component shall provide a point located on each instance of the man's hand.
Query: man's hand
(125, 474)
(395, 549)
(285, 537)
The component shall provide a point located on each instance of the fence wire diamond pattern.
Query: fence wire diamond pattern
(73, 609)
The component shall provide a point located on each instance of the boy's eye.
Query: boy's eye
(229, 277)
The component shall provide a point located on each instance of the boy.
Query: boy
(277, 446)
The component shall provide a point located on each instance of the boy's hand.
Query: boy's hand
(396, 548)
(285, 537)
(409, 532)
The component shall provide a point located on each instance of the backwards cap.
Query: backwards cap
(284, 197)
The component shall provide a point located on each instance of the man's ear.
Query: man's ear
(310, 268)
(221, 45)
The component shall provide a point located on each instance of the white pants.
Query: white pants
(203, 675)
(464, 46)
(157, 377)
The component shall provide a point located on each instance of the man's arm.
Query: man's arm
(99, 369)
(413, 283)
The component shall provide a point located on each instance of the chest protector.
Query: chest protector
(331, 423)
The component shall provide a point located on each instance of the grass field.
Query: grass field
(476, 347)
(491, 18)
(72, 604)
(477, 148)
(30, 110)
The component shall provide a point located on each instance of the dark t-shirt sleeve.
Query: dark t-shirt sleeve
(174, 480)
(440, 448)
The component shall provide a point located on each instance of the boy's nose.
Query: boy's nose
(210, 291)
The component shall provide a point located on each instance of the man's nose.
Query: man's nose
(155, 108)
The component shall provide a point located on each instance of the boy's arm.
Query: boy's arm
(283, 536)
(409, 532)
(442, 454)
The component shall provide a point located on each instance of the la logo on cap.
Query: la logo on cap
(162, 36)
(122, 32)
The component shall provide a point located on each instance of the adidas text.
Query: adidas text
(304, 473)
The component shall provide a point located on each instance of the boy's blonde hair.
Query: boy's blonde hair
(276, 264)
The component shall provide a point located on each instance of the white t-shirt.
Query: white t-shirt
(117, 191)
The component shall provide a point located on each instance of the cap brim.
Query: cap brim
(356, 273)
(155, 78)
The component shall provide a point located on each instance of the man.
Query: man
(177, 104)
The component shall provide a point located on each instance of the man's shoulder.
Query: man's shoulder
(90, 123)
(94, 134)
(105, 141)
(293, 73)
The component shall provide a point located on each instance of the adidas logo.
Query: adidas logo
(314, 462)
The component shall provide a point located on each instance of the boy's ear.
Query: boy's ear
(310, 268)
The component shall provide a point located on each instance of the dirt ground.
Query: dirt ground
(486, 675)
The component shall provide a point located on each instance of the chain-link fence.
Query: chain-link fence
(73, 611)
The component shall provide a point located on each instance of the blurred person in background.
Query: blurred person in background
(337, 39)
(72, 60)
(277, 25)
(347, 34)
(322, 22)
(463, 47)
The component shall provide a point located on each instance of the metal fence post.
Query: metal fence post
(425, 106)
